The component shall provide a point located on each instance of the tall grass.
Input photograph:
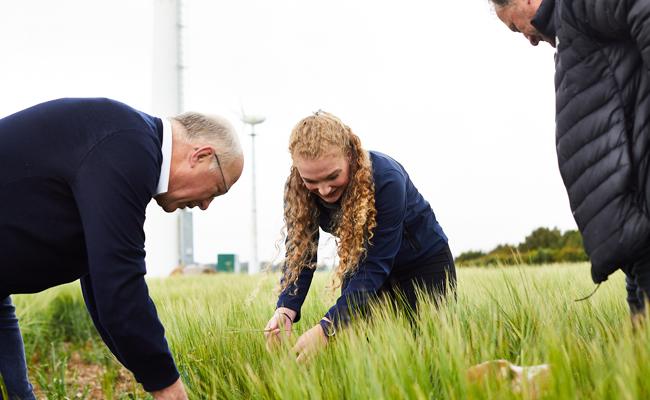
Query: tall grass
(526, 315)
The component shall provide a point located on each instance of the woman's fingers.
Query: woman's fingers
(277, 329)
(287, 324)
(271, 327)
(298, 348)
(309, 343)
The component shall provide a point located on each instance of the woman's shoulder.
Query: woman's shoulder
(384, 166)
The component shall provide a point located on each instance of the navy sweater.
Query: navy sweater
(407, 233)
(75, 178)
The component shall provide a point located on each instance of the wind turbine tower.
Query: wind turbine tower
(169, 236)
(253, 263)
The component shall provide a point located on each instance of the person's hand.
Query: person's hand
(176, 391)
(309, 343)
(279, 326)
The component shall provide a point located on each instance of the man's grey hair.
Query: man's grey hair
(213, 130)
(500, 3)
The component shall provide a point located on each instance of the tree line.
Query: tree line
(542, 246)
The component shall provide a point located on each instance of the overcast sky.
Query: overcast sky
(441, 86)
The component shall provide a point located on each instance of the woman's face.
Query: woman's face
(326, 176)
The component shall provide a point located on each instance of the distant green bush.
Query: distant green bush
(542, 246)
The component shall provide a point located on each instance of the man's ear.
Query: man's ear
(201, 154)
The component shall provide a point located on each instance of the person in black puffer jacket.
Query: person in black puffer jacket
(602, 83)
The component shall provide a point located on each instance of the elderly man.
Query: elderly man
(75, 178)
(602, 85)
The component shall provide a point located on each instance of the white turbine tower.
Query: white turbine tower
(169, 236)
(253, 263)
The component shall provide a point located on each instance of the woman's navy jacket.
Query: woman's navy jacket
(407, 232)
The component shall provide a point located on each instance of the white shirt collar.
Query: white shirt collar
(163, 181)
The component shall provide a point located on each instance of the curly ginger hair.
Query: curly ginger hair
(353, 224)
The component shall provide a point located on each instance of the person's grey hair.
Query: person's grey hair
(213, 130)
(500, 3)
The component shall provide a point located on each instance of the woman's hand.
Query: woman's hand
(309, 343)
(279, 326)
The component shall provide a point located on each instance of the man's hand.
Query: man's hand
(174, 392)
(279, 326)
(309, 343)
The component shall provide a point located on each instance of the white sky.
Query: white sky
(442, 86)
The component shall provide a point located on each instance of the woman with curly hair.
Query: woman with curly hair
(388, 240)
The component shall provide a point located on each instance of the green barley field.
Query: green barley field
(526, 315)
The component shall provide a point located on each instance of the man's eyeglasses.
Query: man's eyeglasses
(225, 184)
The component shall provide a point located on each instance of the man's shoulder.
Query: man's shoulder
(114, 120)
(84, 103)
(599, 21)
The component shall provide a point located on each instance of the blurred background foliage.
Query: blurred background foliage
(542, 246)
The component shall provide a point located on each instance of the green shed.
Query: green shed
(227, 263)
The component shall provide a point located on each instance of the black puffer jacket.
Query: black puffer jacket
(602, 86)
